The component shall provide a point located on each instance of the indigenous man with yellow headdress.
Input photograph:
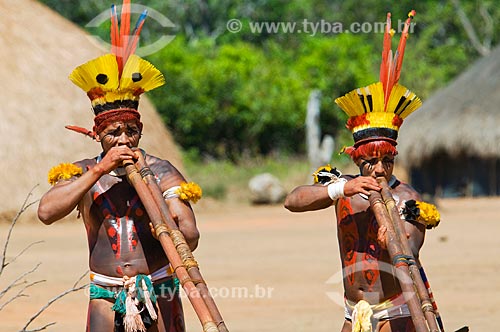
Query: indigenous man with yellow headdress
(373, 296)
(132, 286)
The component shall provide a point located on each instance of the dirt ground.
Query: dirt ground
(269, 269)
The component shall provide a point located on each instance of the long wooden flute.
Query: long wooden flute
(379, 209)
(170, 249)
(179, 241)
(400, 233)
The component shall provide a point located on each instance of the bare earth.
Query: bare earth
(269, 269)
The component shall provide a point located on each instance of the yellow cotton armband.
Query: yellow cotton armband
(428, 214)
(326, 175)
(422, 212)
(189, 191)
(63, 171)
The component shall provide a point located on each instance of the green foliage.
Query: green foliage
(314, 65)
(232, 95)
(235, 99)
(228, 100)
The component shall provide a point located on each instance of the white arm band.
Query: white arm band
(171, 192)
(336, 189)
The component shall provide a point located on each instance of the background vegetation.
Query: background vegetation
(235, 97)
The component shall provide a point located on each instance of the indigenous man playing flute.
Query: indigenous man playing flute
(373, 296)
(132, 286)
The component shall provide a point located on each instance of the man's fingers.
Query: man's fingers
(365, 192)
(368, 182)
(369, 187)
(381, 236)
(136, 152)
(361, 185)
(126, 156)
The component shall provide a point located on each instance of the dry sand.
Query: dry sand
(277, 264)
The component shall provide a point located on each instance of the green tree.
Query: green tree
(232, 94)
(228, 100)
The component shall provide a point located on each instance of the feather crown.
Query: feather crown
(115, 81)
(377, 111)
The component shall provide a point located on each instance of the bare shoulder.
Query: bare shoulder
(159, 164)
(406, 192)
(85, 164)
(164, 169)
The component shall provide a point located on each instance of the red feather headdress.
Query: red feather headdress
(115, 81)
(377, 111)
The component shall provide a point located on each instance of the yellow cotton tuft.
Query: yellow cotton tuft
(189, 192)
(361, 317)
(326, 168)
(428, 214)
(63, 171)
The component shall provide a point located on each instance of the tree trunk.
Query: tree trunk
(319, 151)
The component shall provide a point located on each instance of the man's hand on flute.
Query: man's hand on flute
(115, 157)
(361, 185)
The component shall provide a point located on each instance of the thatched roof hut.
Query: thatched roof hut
(451, 146)
(39, 50)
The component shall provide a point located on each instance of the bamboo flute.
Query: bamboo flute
(179, 241)
(169, 247)
(398, 226)
(402, 271)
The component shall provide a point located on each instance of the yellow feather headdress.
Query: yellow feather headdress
(115, 81)
(377, 111)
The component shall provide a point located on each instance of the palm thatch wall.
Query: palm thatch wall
(39, 49)
(451, 146)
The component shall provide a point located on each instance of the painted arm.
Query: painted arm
(414, 231)
(315, 197)
(180, 211)
(61, 199)
(183, 215)
(416, 236)
(308, 198)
